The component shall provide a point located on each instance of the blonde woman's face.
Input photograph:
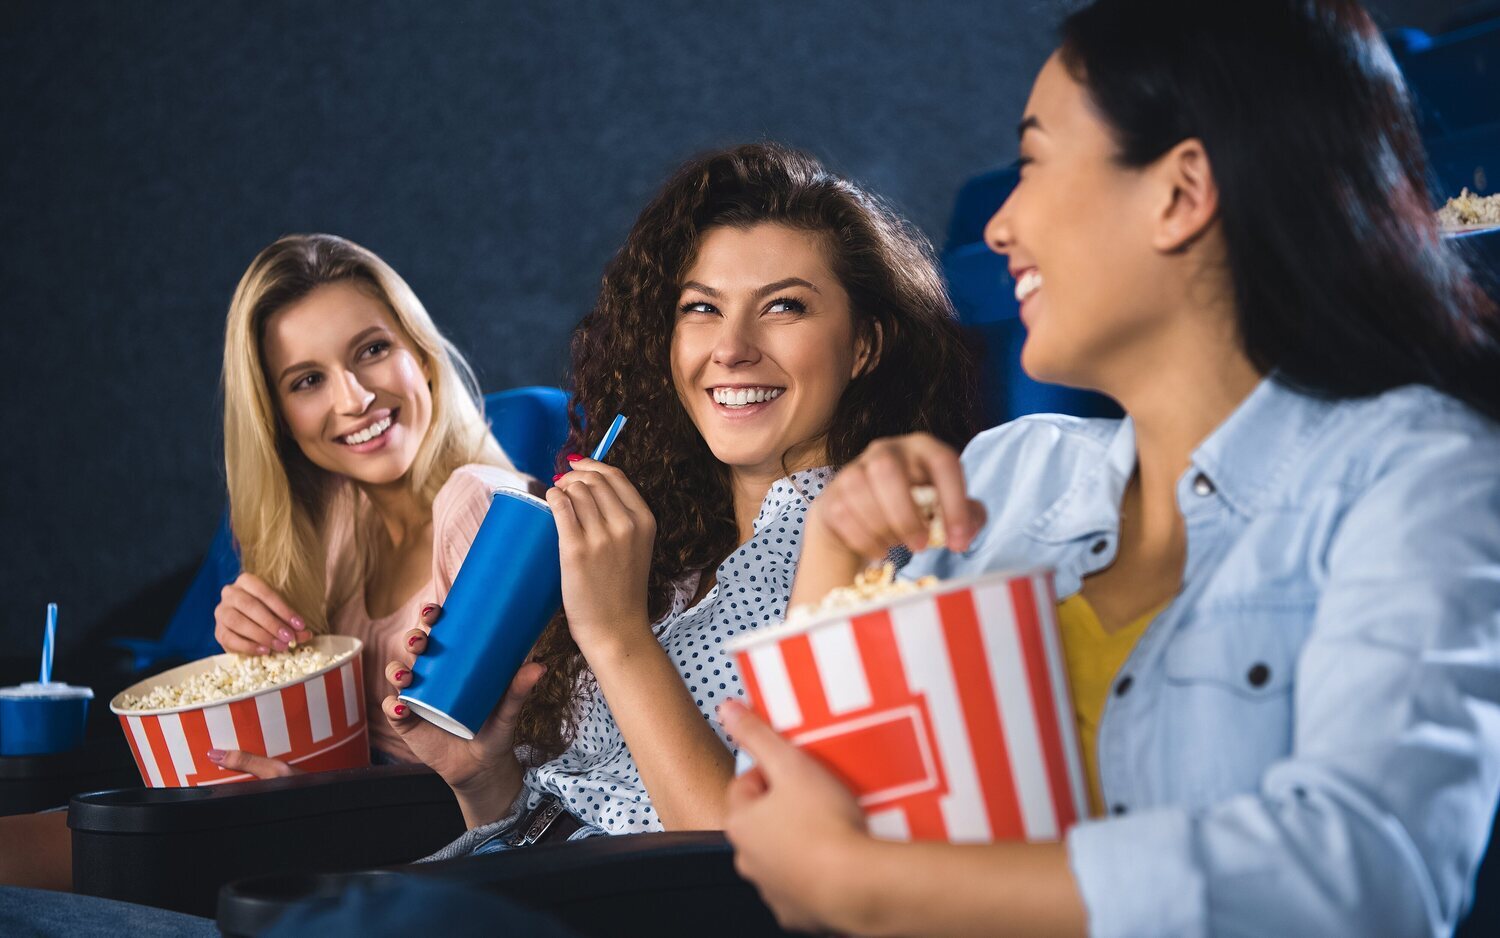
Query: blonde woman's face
(764, 343)
(351, 387)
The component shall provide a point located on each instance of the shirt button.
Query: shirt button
(1117, 809)
(1259, 675)
(1100, 546)
(1202, 486)
(1123, 688)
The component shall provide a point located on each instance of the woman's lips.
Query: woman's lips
(378, 442)
(742, 411)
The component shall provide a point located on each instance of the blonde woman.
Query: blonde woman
(359, 467)
(358, 460)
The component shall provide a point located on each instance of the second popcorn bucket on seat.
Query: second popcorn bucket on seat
(945, 711)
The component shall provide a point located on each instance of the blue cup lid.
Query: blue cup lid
(53, 690)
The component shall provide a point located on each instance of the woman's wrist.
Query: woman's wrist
(851, 900)
(612, 645)
(488, 797)
(826, 563)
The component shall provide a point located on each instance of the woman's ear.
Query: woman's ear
(1190, 196)
(867, 351)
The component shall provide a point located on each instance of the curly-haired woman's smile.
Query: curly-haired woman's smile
(764, 346)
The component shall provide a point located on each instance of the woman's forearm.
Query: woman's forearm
(683, 763)
(883, 888)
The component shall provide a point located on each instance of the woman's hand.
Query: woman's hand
(483, 772)
(605, 535)
(252, 619)
(868, 508)
(260, 766)
(793, 827)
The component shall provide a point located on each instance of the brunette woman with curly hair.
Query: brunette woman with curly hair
(764, 321)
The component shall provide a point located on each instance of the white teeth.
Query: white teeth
(741, 397)
(1027, 284)
(369, 433)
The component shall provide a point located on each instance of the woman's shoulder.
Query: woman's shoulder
(1048, 448)
(1413, 429)
(471, 486)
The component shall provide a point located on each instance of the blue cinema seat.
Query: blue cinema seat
(984, 294)
(531, 424)
(1453, 81)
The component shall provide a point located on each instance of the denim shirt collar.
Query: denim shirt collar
(1244, 459)
(1247, 457)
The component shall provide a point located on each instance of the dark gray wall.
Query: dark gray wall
(494, 152)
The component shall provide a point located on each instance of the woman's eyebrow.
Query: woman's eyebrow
(760, 292)
(365, 335)
(782, 285)
(1031, 122)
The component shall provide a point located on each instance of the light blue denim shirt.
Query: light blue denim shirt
(1307, 740)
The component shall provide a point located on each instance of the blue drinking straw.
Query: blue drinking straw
(610, 436)
(48, 640)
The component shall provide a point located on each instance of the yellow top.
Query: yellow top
(1094, 657)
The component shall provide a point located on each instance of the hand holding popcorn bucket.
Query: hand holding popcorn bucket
(310, 713)
(945, 711)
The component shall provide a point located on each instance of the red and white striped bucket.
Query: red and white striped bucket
(946, 712)
(316, 723)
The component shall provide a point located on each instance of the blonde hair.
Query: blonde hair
(282, 507)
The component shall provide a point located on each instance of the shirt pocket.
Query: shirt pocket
(1228, 697)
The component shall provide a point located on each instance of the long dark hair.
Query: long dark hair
(922, 380)
(1343, 284)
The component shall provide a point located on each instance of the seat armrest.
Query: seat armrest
(174, 847)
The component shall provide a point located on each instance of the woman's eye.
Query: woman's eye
(310, 380)
(698, 308)
(1021, 165)
(375, 348)
(786, 304)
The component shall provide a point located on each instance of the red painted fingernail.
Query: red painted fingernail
(558, 476)
(574, 457)
(216, 756)
(411, 642)
(263, 649)
(400, 710)
(298, 624)
(429, 609)
(398, 675)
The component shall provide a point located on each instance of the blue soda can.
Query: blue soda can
(507, 590)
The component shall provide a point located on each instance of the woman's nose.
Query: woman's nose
(735, 345)
(351, 397)
(997, 234)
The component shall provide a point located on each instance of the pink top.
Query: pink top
(457, 511)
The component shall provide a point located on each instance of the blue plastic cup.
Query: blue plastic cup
(36, 719)
(507, 590)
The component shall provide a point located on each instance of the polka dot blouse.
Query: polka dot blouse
(595, 778)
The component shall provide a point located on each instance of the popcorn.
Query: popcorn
(232, 676)
(927, 503)
(1467, 208)
(870, 584)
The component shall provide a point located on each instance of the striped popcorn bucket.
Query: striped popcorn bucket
(316, 723)
(945, 712)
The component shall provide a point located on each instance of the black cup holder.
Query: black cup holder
(250, 906)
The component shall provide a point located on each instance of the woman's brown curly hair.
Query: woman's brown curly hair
(922, 379)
